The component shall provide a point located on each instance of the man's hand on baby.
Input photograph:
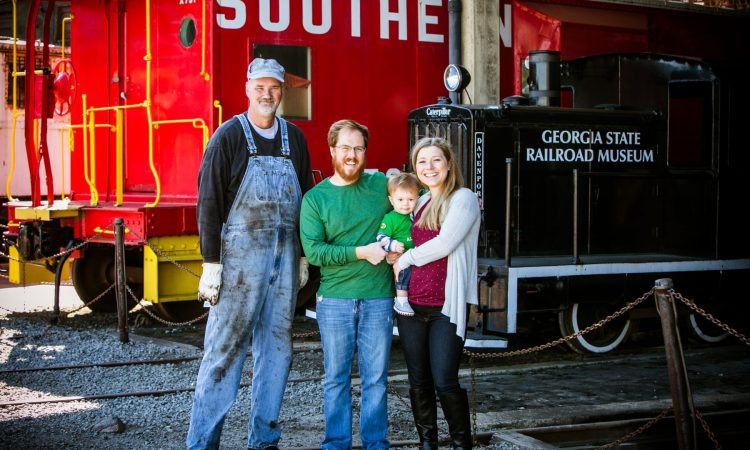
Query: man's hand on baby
(373, 253)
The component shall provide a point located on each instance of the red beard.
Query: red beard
(347, 173)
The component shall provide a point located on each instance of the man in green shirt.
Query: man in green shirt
(339, 219)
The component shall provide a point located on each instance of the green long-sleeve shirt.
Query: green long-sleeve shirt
(334, 220)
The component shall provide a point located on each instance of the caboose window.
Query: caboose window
(296, 62)
(690, 124)
(187, 32)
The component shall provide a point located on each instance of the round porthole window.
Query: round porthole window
(187, 32)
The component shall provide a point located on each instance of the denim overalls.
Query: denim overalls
(259, 282)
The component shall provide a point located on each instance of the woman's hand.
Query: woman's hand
(396, 268)
(392, 257)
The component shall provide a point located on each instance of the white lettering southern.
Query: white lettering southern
(232, 15)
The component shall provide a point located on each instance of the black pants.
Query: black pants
(431, 348)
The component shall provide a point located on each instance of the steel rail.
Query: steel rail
(83, 398)
(134, 362)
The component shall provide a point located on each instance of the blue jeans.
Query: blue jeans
(402, 284)
(367, 326)
(432, 349)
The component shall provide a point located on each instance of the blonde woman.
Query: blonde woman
(443, 280)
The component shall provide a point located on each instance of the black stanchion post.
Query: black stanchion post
(678, 381)
(120, 288)
(58, 276)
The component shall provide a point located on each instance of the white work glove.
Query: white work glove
(208, 287)
(303, 272)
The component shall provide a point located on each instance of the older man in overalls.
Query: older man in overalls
(253, 174)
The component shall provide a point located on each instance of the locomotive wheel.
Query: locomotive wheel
(702, 330)
(579, 316)
(94, 273)
(179, 311)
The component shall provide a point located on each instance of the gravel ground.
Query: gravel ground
(548, 388)
(27, 340)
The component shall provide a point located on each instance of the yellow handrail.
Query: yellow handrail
(12, 167)
(148, 58)
(71, 146)
(91, 124)
(205, 74)
(67, 19)
(23, 74)
(86, 175)
(197, 123)
(37, 137)
(14, 114)
(62, 148)
(119, 156)
(62, 164)
(100, 230)
(217, 105)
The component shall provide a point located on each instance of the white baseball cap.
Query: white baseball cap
(265, 68)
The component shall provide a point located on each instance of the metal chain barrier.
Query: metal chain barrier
(52, 283)
(473, 400)
(706, 428)
(305, 335)
(60, 254)
(132, 295)
(64, 252)
(568, 338)
(71, 311)
(8, 310)
(691, 304)
(159, 319)
(96, 299)
(638, 431)
(189, 271)
(165, 256)
(400, 398)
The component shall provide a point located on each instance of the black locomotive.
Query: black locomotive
(640, 175)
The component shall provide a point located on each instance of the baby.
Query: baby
(395, 230)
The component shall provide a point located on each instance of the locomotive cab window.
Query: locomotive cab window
(690, 124)
(297, 93)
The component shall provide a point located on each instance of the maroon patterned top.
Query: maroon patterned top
(427, 283)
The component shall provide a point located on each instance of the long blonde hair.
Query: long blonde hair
(432, 215)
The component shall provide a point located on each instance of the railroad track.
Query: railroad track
(556, 390)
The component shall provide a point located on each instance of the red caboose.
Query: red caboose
(148, 81)
(155, 78)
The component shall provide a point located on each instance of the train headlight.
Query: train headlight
(456, 78)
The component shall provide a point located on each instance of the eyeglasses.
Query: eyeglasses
(347, 149)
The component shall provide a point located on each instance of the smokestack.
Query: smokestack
(544, 78)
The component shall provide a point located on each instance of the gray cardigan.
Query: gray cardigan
(458, 239)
